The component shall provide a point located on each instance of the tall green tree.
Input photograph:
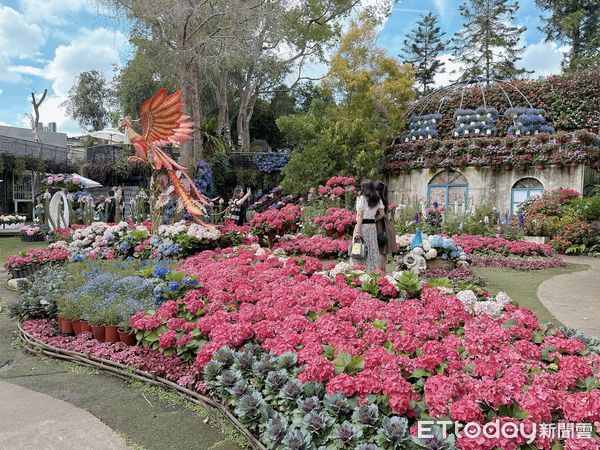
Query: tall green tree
(488, 45)
(422, 47)
(88, 101)
(145, 73)
(577, 23)
(346, 137)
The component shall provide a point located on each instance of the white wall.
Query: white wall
(485, 185)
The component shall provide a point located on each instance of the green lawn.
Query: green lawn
(522, 286)
(13, 245)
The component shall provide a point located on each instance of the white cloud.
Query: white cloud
(0, 91)
(544, 58)
(27, 70)
(18, 37)
(452, 71)
(51, 11)
(97, 49)
(5, 73)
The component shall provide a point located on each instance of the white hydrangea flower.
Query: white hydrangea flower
(467, 297)
(503, 298)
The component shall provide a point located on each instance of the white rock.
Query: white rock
(431, 253)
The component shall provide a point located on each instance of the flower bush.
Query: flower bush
(315, 246)
(496, 152)
(70, 183)
(338, 187)
(170, 367)
(339, 220)
(273, 220)
(110, 292)
(103, 241)
(39, 301)
(498, 245)
(567, 219)
(11, 219)
(459, 357)
(518, 262)
(34, 230)
(270, 162)
(37, 256)
(332, 356)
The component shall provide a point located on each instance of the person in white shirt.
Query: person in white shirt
(369, 208)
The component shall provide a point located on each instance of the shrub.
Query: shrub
(40, 300)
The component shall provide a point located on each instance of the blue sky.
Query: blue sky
(47, 43)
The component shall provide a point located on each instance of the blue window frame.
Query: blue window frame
(448, 187)
(523, 190)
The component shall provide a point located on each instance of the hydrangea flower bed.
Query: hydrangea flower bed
(36, 256)
(315, 246)
(498, 245)
(518, 262)
(419, 358)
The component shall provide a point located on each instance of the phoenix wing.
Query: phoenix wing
(163, 121)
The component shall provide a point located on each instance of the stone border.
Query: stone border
(122, 371)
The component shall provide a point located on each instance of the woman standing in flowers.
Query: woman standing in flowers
(238, 205)
(385, 226)
(369, 207)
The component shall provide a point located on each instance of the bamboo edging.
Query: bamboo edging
(125, 372)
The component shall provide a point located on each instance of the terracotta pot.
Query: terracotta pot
(67, 326)
(98, 333)
(85, 326)
(341, 234)
(293, 227)
(59, 320)
(127, 337)
(111, 334)
(76, 326)
(282, 231)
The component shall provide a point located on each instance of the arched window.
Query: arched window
(447, 188)
(524, 189)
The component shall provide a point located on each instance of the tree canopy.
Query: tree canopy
(489, 45)
(422, 47)
(346, 136)
(87, 101)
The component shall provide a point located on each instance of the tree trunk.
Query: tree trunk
(197, 118)
(186, 150)
(223, 128)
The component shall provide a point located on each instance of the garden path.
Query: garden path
(80, 404)
(574, 298)
(33, 420)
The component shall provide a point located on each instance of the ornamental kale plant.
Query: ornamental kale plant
(290, 414)
(40, 300)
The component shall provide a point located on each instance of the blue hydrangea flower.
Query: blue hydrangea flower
(174, 286)
(160, 272)
(189, 281)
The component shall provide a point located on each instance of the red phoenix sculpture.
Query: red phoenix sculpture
(163, 122)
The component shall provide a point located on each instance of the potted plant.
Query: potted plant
(125, 333)
(96, 321)
(111, 319)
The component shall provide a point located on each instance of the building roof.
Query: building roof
(47, 137)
